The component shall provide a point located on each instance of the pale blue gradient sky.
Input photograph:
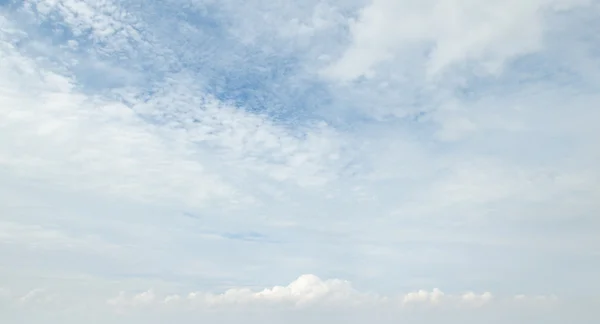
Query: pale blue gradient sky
(198, 145)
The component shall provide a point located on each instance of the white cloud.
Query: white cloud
(423, 296)
(477, 300)
(307, 290)
(438, 298)
(73, 139)
(306, 297)
(487, 33)
(33, 296)
(142, 299)
(106, 21)
(141, 146)
(536, 299)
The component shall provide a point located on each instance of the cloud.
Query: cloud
(451, 33)
(439, 299)
(401, 145)
(307, 290)
(475, 299)
(62, 130)
(423, 296)
(536, 300)
(37, 299)
(92, 137)
(304, 298)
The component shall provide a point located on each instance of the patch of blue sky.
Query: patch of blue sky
(72, 54)
(251, 77)
(48, 27)
(244, 75)
(264, 85)
(10, 4)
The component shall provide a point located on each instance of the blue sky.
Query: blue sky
(299, 161)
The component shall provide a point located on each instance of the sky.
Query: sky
(396, 161)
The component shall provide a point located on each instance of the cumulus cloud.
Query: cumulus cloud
(306, 297)
(307, 290)
(423, 296)
(438, 298)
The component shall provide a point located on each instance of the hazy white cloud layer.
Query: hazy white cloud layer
(307, 296)
(177, 160)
